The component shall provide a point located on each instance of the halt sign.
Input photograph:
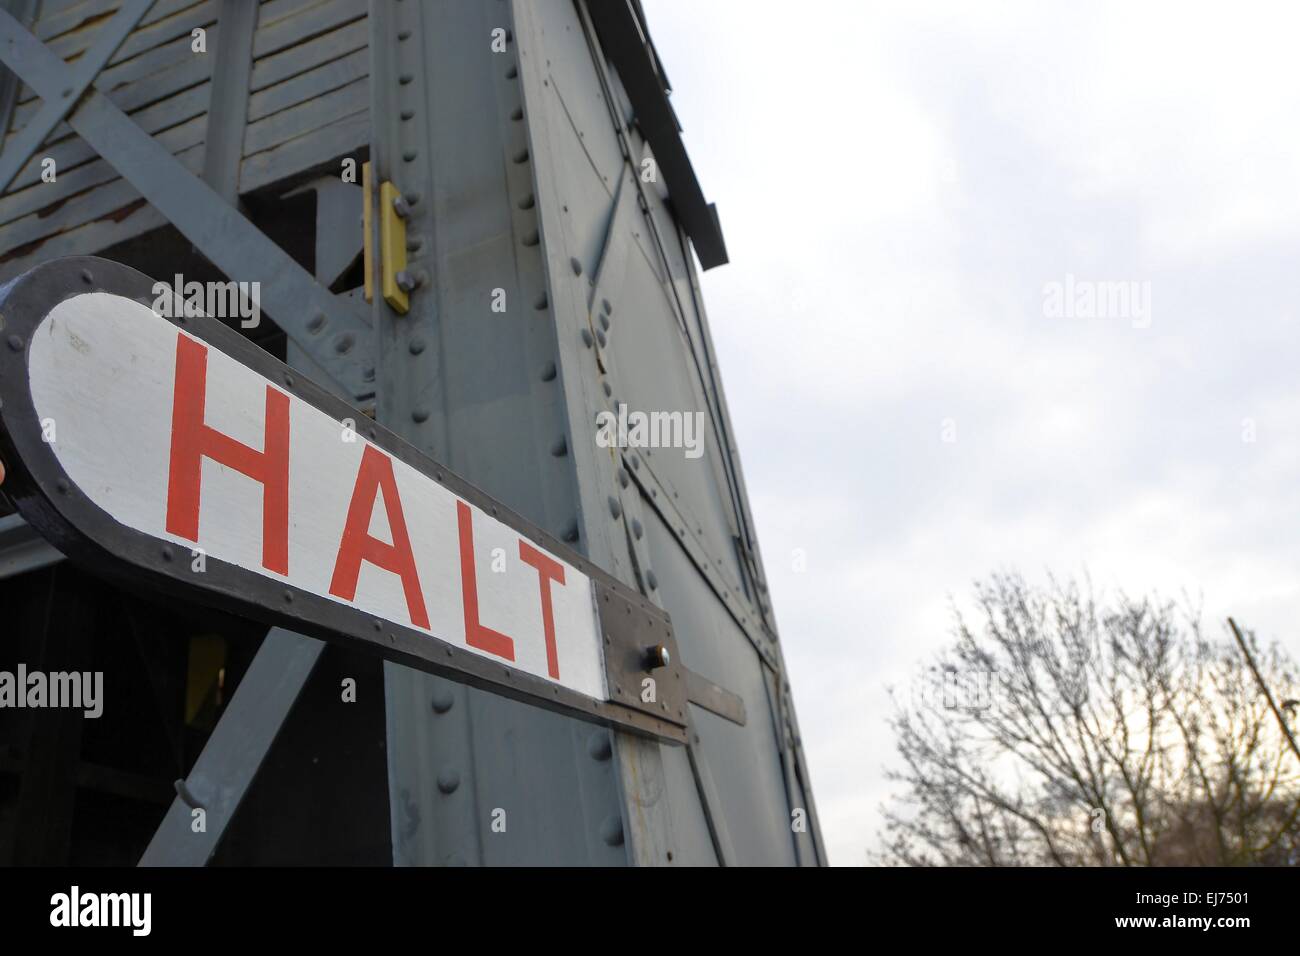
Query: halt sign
(172, 453)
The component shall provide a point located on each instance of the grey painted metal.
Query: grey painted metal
(235, 750)
(623, 36)
(22, 549)
(323, 325)
(485, 392)
(24, 11)
(228, 100)
(84, 72)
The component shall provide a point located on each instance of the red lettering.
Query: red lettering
(476, 634)
(193, 440)
(374, 476)
(547, 571)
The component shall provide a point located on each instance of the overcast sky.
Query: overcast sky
(900, 185)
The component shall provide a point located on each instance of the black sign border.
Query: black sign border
(53, 504)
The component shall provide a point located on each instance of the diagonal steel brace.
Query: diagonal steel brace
(327, 328)
(19, 150)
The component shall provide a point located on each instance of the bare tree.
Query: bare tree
(1058, 732)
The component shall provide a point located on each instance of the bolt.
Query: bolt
(656, 657)
(406, 281)
(402, 207)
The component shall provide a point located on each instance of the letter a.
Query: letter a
(376, 475)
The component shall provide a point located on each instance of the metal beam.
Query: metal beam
(622, 39)
(325, 327)
(228, 99)
(22, 549)
(235, 751)
(10, 85)
(84, 72)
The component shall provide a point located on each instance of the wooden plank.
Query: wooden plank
(85, 207)
(274, 11)
(86, 240)
(305, 56)
(56, 23)
(307, 86)
(167, 20)
(41, 195)
(201, 15)
(307, 23)
(157, 81)
(297, 120)
(320, 148)
(73, 151)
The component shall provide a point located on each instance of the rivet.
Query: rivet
(343, 344)
(623, 478)
(518, 114)
(637, 529)
(288, 596)
(166, 554)
(407, 115)
(63, 486)
(442, 700)
(604, 322)
(409, 155)
(448, 780)
(611, 831)
(527, 202)
(512, 73)
(405, 79)
(608, 391)
(541, 302)
(288, 381)
(531, 238)
(548, 372)
(571, 533)
(576, 266)
(586, 337)
(420, 415)
(415, 346)
(615, 508)
(86, 277)
(599, 745)
(377, 624)
(560, 447)
(651, 580)
(15, 343)
(403, 34)
(316, 323)
(600, 337)
(521, 156)
(609, 309)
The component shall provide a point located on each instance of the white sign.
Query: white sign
(177, 440)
